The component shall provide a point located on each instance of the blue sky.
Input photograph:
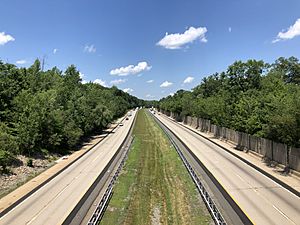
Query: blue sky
(130, 42)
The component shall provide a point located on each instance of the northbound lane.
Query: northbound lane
(263, 200)
(52, 203)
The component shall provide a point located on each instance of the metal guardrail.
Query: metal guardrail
(217, 216)
(99, 211)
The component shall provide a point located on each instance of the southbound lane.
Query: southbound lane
(261, 199)
(52, 203)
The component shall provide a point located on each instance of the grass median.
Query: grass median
(154, 186)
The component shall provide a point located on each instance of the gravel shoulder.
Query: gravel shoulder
(20, 173)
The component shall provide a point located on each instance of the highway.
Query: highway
(260, 198)
(53, 202)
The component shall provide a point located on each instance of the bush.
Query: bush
(29, 162)
(6, 160)
(8, 142)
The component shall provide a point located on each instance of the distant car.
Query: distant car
(121, 124)
(127, 118)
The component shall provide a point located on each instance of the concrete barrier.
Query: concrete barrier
(254, 144)
(232, 135)
(280, 153)
(267, 146)
(194, 122)
(184, 119)
(294, 158)
(273, 151)
(189, 120)
(214, 130)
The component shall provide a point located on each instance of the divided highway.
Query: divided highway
(260, 198)
(53, 202)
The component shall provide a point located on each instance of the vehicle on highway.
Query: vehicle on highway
(127, 118)
(121, 124)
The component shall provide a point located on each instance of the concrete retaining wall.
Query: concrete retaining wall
(280, 153)
(194, 122)
(274, 151)
(294, 158)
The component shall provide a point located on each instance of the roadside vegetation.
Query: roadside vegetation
(44, 112)
(253, 97)
(154, 186)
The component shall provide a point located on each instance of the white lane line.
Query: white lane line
(44, 186)
(52, 200)
(267, 200)
(282, 213)
(256, 191)
(212, 142)
(61, 192)
(29, 222)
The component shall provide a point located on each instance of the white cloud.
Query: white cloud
(101, 82)
(21, 61)
(131, 69)
(171, 94)
(4, 38)
(89, 48)
(166, 84)
(150, 81)
(128, 90)
(176, 41)
(188, 80)
(291, 32)
(55, 50)
(118, 81)
(81, 75)
(229, 29)
(149, 96)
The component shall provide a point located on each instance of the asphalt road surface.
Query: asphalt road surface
(53, 202)
(262, 200)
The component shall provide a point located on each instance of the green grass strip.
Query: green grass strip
(154, 186)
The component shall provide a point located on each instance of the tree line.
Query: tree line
(254, 97)
(50, 111)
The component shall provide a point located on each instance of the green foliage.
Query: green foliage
(289, 69)
(53, 110)
(29, 162)
(252, 97)
(6, 159)
(8, 142)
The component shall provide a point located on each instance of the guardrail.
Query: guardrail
(99, 211)
(212, 208)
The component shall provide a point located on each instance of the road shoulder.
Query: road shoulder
(35, 183)
(290, 179)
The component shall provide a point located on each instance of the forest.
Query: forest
(51, 111)
(254, 97)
